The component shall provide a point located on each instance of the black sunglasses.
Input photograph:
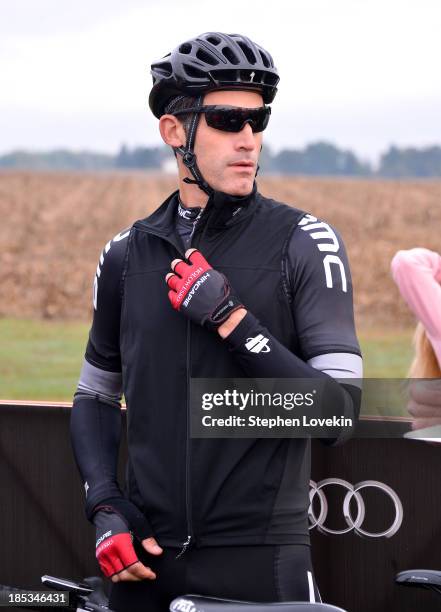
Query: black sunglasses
(232, 118)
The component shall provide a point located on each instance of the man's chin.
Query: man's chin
(239, 188)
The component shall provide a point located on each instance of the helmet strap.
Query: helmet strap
(189, 157)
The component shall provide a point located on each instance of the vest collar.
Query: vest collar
(221, 211)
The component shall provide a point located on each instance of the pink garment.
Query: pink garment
(417, 272)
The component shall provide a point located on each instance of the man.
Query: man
(220, 517)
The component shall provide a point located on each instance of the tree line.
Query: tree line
(316, 159)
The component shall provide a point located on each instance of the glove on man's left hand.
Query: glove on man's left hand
(200, 292)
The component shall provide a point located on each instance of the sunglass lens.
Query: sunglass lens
(234, 119)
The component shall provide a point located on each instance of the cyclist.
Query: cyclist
(220, 517)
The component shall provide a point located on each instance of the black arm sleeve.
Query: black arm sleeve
(96, 413)
(95, 429)
(279, 362)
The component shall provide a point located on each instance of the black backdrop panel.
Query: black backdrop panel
(43, 529)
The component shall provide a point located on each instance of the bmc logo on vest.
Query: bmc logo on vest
(259, 344)
(318, 230)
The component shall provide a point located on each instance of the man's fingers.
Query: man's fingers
(141, 572)
(138, 571)
(134, 573)
(196, 258)
(151, 546)
(172, 281)
(179, 267)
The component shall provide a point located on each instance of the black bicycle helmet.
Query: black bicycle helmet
(212, 61)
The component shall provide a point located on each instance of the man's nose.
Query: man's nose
(245, 139)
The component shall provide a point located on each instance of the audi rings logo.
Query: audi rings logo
(354, 523)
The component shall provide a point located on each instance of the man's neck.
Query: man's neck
(191, 195)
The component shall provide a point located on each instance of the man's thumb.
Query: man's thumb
(152, 546)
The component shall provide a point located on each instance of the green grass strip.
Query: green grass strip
(41, 360)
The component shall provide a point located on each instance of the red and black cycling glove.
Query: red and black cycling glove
(117, 522)
(114, 543)
(201, 293)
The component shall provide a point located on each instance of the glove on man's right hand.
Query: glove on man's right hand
(114, 548)
(204, 295)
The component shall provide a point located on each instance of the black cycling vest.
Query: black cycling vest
(218, 491)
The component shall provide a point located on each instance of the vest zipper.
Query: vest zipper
(190, 540)
(188, 506)
(185, 545)
(190, 535)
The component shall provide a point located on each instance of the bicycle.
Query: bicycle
(89, 596)
(423, 578)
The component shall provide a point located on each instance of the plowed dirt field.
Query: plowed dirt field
(54, 226)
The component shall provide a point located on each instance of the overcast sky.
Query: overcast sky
(360, 73)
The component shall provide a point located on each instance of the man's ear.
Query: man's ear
(172, 131)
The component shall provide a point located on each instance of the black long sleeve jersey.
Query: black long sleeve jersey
(291, 272)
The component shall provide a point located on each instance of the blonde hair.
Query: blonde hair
(425, 363)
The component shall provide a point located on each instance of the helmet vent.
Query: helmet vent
(225, 76)
(185, 48)
(265, 59)
(206, 57)
(247, 51)
(231, 57)
(271, 79)
(214, 40)
(164, 69)
(191, 71)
